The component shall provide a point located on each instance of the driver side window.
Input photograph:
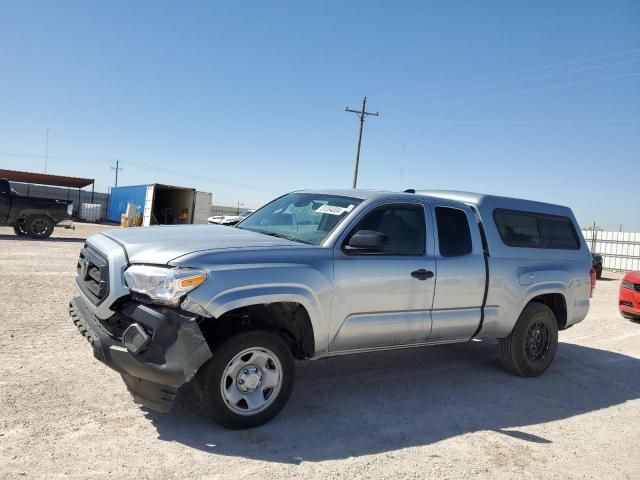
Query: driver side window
(5, 189)
(404, 226)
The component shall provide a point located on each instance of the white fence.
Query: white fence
(619, 250)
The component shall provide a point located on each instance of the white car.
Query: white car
(229, 219)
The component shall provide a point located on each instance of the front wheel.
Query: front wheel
(532, 345)
(247, 381)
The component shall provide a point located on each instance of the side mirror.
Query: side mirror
(367, 241)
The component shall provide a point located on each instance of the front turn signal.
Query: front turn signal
(192, 282)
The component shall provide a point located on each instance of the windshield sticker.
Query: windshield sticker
(331, 210)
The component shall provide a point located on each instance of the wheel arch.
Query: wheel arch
(289, 319)
(28, 213)
(291, 310)
(557, 302)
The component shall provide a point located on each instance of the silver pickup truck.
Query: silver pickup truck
(316, 274)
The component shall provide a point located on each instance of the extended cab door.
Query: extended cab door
(383, 299)
(5, 200)
(461, 274)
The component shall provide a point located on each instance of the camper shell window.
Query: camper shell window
(536, 230)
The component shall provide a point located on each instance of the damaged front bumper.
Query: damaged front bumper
(155, 349)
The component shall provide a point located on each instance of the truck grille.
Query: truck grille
(93, 274)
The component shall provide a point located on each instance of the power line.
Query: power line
(506, 74)
(517, 92)
(511, 122)
(509, 82)
(57, 157)
(362, 114)
(144, 167)
(200, 177)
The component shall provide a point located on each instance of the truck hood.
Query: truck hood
(161, 244)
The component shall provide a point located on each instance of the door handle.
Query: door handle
(422, 274)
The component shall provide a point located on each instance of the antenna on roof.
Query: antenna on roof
(410, 190)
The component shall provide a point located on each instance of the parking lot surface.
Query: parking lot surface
(439, 412)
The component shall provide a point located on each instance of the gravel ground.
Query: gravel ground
(439, 412)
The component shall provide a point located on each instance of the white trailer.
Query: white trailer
(168, 204)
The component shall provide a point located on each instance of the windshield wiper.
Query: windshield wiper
(281, 235)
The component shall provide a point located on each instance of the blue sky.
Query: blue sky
(246, 99)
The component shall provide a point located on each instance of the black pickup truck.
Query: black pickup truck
(32, 216)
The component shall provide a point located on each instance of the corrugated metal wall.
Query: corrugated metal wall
(619, 250)
(121, 196)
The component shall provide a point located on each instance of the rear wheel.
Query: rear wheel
(532, 345)
(247, 381)
(39, 227)
(20, 229)
(598, 269)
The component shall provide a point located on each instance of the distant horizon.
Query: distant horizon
(243, 207)
(247, 101)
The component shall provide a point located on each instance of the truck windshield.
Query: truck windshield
(301, 217)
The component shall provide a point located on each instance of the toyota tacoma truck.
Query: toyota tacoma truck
(32, 216)
(317, 274)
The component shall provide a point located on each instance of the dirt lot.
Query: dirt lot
(440, 412)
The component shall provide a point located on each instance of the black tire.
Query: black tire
(532, 345)
(208, 381)
(20, 229)
(39, 227)
(598, 269)
(628, 316)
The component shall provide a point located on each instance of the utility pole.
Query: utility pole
(361, 115)
(117, 169)
(46, 152)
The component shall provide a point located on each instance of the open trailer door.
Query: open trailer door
(201, 207)
(148, 206)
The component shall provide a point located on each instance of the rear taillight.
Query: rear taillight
(593, 281)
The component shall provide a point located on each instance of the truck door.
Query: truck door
(461, 276)
(5, 200)
(383, 299)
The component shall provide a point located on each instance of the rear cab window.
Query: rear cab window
(536, 230)
(454, 234)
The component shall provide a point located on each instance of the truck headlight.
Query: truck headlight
(163, 285)
(70, 209)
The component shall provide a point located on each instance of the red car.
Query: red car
(629, 303)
